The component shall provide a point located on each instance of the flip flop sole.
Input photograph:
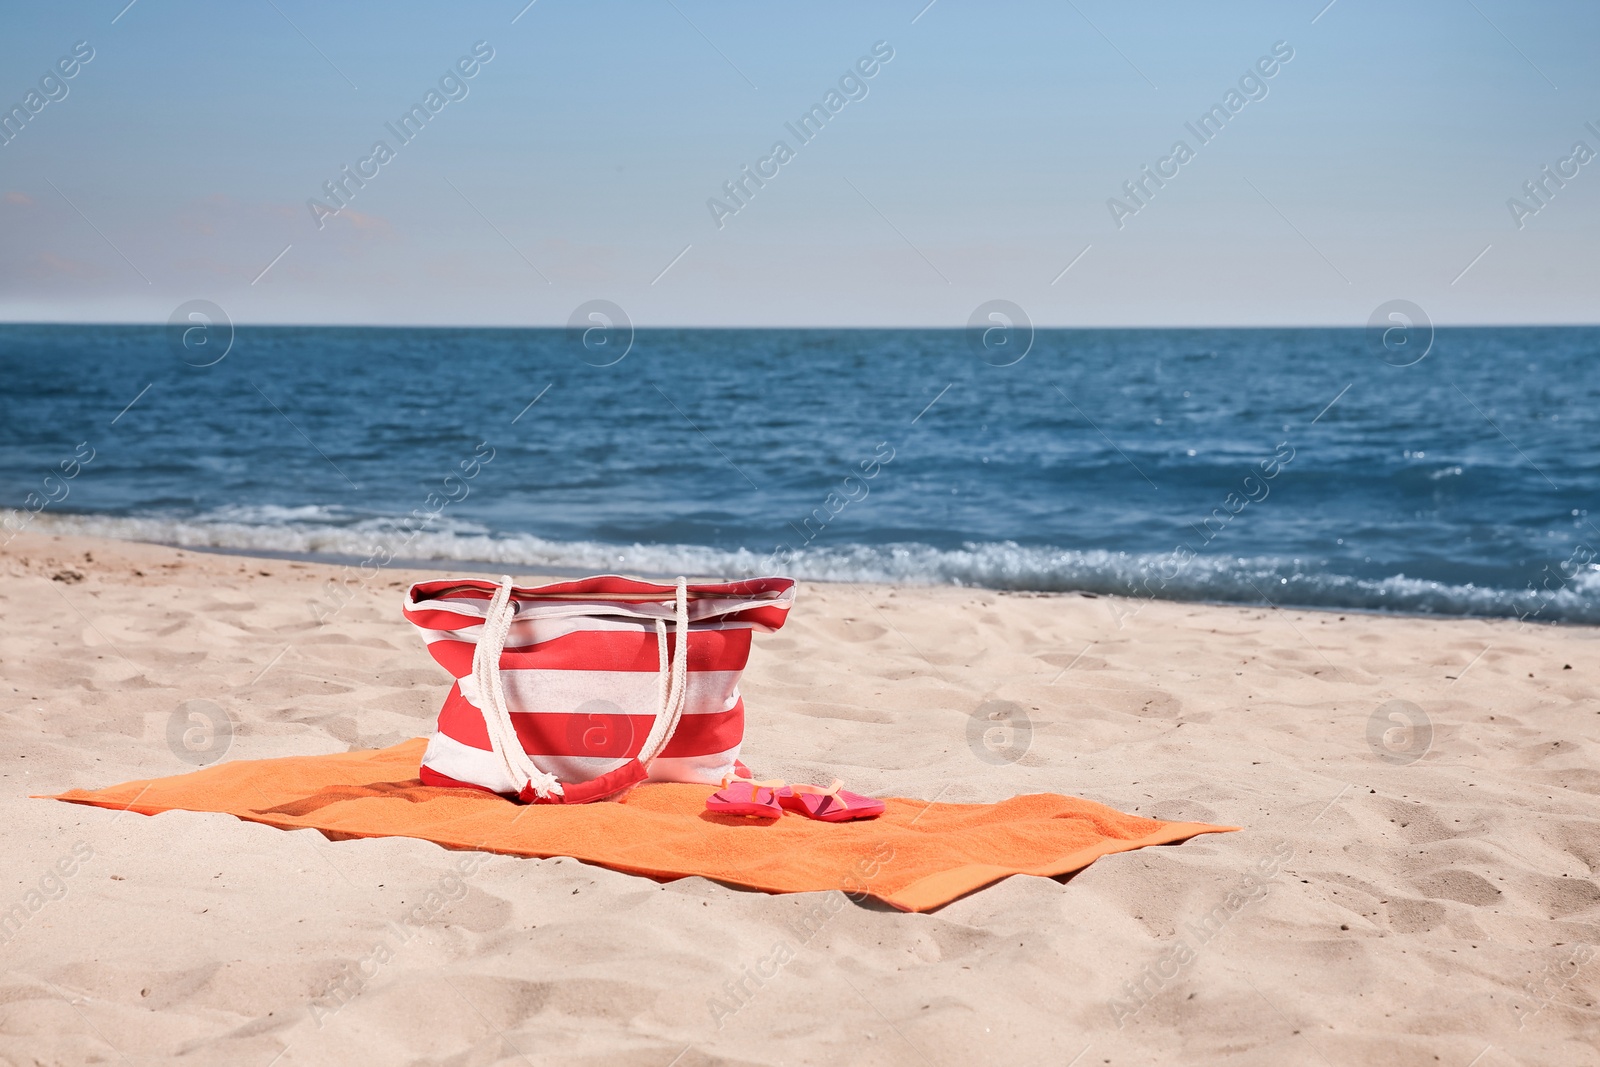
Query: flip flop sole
(748, 803)
(853, 806)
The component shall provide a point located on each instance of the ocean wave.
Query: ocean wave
(330, 533)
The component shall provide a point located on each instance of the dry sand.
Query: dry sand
(1400, 913)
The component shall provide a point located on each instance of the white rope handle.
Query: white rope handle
(496, 716)
(672, 685)
(672, 689)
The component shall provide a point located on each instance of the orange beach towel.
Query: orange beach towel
(917, 856)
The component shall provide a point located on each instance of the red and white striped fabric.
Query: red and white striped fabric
(572, 692)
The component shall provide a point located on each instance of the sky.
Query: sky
(984, 158)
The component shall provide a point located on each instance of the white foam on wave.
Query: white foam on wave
(994, 565)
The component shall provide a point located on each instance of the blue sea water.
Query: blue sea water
(1292, 466)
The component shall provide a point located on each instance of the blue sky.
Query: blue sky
(977, 166)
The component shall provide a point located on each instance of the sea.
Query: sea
(1447, 471)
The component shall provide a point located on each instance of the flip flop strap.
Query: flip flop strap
(734, 779)
(817, 790)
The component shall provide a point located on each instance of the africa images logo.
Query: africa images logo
(344, 186)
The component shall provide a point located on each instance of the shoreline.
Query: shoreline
(478, 566)
(336, 560)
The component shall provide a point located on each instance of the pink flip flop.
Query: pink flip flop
(833, 804)
(744, 796)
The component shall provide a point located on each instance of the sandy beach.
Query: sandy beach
(1415, 892)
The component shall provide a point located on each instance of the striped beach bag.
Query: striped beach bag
(575, 691)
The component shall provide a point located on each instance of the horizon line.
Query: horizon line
(723, 326)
